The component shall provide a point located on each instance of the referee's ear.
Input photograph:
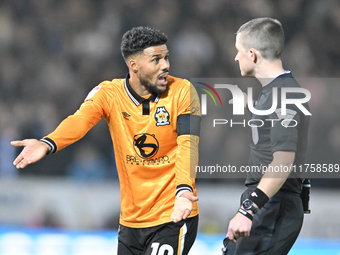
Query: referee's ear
(254, 54)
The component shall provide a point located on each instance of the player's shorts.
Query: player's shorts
(275, 227)
(169, 238)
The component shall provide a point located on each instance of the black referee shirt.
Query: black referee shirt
(275, 136)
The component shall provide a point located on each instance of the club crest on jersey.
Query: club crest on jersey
(162, 116)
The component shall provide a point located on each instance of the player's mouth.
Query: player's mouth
(163, 78)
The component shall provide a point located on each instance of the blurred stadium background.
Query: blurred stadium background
(53, 52)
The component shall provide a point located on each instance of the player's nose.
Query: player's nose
(165, 65)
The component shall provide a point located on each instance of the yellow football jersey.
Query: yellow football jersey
(153, 142)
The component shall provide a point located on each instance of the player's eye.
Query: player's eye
(156, 60)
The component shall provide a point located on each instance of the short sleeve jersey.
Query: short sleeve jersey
(278, 132)
(153, 157)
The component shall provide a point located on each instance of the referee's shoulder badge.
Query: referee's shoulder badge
(162, 116)
(92, 93)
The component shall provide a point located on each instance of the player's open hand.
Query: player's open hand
(239, 226)
(183, 206)
(33, 151)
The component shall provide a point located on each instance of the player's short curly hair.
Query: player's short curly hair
(139, 38)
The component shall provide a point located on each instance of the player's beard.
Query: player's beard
(152, 88)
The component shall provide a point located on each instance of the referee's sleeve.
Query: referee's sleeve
(284, 133)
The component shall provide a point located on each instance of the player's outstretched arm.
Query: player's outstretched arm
(34, 150)
(183, 206)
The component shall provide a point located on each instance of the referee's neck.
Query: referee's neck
(268, 71)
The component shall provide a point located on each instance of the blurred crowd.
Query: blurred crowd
(53, 52)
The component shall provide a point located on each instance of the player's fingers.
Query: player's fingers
(193, 198)
(175, 220)
(18, 160)
(186, 213)
(190, 196)
(180, 215)
(175, 216)
(24, 163)
(231, 102)
(21, 164)
(17, 143)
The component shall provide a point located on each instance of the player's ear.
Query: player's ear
(132, 64)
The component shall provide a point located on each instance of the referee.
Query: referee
(270, 217)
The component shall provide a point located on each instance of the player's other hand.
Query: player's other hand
(34, 150)
(183, 206)
(239, 226)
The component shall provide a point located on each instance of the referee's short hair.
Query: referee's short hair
(265, 35)
(139, 38)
